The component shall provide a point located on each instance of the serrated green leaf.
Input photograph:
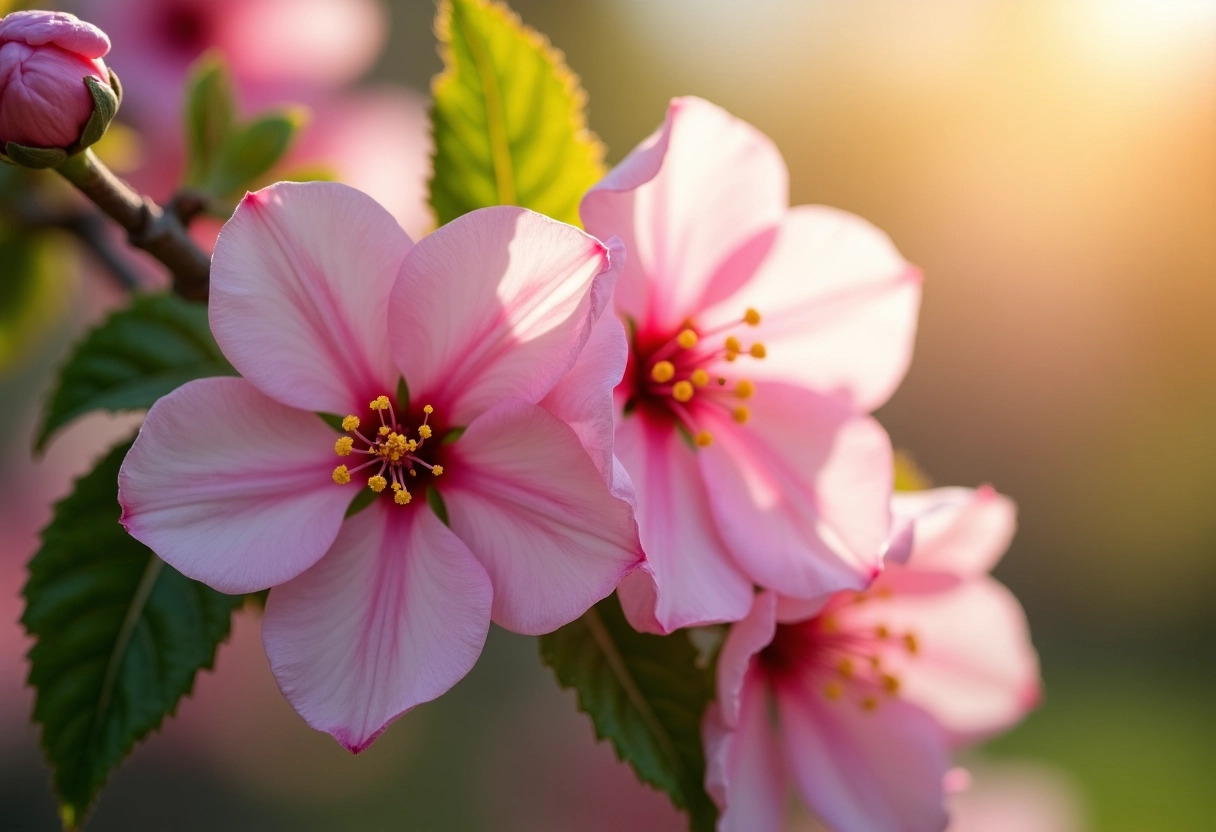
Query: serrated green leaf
(252, 150)
(119, 637)
(210, 113)
(132, 359)
(646, 694)
(507, 118)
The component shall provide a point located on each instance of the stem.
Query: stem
(149, 227)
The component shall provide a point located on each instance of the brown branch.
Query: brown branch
(149, 227)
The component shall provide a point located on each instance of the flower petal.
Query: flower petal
(801, 492)
(860, 770)
(838, 307)
(692, 578)
(394, 615)
(583, 397)
(957, 530)
(683, 202)
(230, 487)
(745, 639)
(745, 773)
(496, 304)
(974, 668)
(300, 282)
(527, 499)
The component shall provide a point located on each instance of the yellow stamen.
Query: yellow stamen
(869, 704)
(833, 690)
(437, 470)
(377, 483)
(882, 632)
(699, 377)
(424, 431)
(341, 475)
(687, 339)
(845, 667)
(428, 410)
(663, 372)
(733, 345)
(397, 486)
(703, 439)
(745, 389)
(402, 497)
(385, 431)
(911, 644)
(413, 473)
(682, 391)
(350, 423)
(379, 403)
(890, 684)
(751, 317)
(741, 414)
(757, 350)
(343, 445)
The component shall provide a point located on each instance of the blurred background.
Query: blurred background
(1050, 164)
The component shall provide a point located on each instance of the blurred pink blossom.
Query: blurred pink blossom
(278, 50)
(44, 59)
(764, 335)
(872, 692)
(323, 303)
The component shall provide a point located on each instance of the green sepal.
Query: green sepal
(105, 107)
(35, 157)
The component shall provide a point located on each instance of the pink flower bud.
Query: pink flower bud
(45, 59)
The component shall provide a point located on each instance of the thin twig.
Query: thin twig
(149, 227)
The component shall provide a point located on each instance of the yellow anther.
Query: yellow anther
(890, 684)
(663, 372)
(757, 350)
(397, 486)
(379, 403)
(731, 356)
(377, 483)
(869, 704)
(385, 431)
(687, 339)
(751, 317)
(741, 414)
(699, 377)
(882, 632)
(745, 389)
(876, 661)
(703, 439)
(437, 470)
(911, 643)
(833, 690)
(341, 475)
(845, 667)
(428, 410)
(413, 444)
(343, 445)
(402, 497)
(682, 391)
(350, 423)
(733, 345)
(413, 473)
(424, 431)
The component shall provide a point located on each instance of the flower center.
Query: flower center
(851, 659)
(685, 371)
(391, 452)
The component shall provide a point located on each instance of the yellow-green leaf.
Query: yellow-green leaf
(507, 117)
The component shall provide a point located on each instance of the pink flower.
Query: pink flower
(761, 336)
(870, 693)
(323, 304)
(44, 59)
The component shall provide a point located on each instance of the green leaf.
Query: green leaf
(210, 113)
(252, 150)
(133, 358)
(646, 694)
(507, 118)
(119, 637)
